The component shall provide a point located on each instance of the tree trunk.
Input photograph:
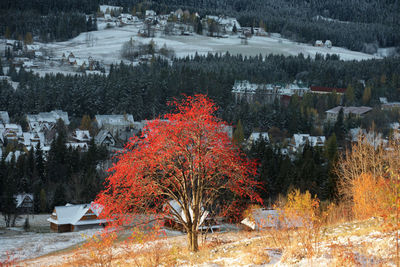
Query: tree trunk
(193, 241)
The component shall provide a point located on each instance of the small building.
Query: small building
(328, 44)
(319, 43)
(326, 90)
(46, 120)
(71, 218)
(12, 131)
(81, 136)
(358, 112)
(260, 219)
(298, 142)
(24, 203)
(105, 138)
(255, 136)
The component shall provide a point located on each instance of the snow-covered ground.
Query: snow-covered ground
(106, 44)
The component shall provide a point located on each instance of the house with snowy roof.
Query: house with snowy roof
(257, 136)
(81, 136)
(24, 203)
(115, 124)
(31, 139)
(12, 131)
(46, 120)
(358, 112)
(105, 138)
(71, 218)
(298, 142)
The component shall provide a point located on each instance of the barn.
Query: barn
(71, 218)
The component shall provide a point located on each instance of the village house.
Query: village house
(71, 218)
(386, 105)
(357, 112)
(105, 138)
(46, 120)
(115, 124)
(24, 203)
(328, 44)
(298, 142)
(256, 136)
(80, 136)
(30, 140)
(326, 90)
(319, 43)
(266, 93)
(12, 132)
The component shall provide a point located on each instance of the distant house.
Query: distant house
(328, 44)
(358, 112)
(4, 118)
(115, 124)
(266, 93)
(12, 131)
(82, 147)
(264, 218)
(255, 136)
(24, 203)
(319, 43)
(150, 13)
(31, 139)
(81, 136)
(71, 218)
(326, 90)
(46, 120)
(298, 141)
(105, 138)
(385, 104)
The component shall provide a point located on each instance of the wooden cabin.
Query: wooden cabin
(71, 218)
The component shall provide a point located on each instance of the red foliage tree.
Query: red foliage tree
(188, 158)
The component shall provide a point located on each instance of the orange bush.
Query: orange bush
(370, 196)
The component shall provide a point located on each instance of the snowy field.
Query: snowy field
(38, 240)
(106, 44)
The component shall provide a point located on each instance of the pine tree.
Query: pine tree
(59, 198)
(238, 135)
(43, 201)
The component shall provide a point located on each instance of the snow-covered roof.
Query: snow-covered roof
(102, 135)
(175, 206)
(32, 138)
(261, 218)
(353, 110)
(81, 135)
(114, 120)
(150, 13)
(254, 136)
(11, 128)
(4, 118)
(302, 139)
(72, 214)
(34, 120)
(21, 197)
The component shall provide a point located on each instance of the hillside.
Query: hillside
(346, 244)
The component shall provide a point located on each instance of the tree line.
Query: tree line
(353, 24)
(47, 20)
